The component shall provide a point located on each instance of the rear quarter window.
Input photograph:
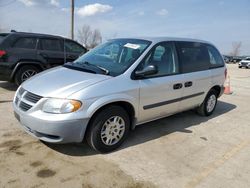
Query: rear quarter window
(193, 56)
(73, 47)
(214, 57)
(1, 38)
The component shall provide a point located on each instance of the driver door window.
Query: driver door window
(163, 58)
(157, 93)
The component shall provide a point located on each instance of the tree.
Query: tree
(95, 39)
(90, 38)
(84, 34)
(236, 48)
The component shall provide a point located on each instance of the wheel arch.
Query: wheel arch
(125, 104)
(20, 64)
(218, 89)
(128, 107)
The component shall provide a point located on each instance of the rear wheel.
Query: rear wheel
(108, 129)
(24, 73)
(240, 67)
(209, 103)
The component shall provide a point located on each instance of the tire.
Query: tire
(239, 67)
(24, 73)
(99, 130)
(209, 104)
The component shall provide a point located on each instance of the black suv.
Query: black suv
(22, 55)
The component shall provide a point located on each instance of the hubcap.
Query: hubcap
(211, 103)
(27, 74)
(113, 130)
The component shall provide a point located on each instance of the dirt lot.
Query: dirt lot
(184, 150)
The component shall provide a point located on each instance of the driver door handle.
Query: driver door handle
(188, 84)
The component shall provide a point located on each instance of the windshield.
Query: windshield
(114, 56)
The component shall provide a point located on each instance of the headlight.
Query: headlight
(61, 106)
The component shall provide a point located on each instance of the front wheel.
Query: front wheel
(108, 129)
(209, 103)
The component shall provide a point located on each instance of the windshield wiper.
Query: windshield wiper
(80, 68)
(106, 71)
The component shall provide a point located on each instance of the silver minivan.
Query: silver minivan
(118, 85)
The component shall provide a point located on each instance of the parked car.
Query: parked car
(245, 63)
(102, 96)
(22, 55)
(236, 59)
(226, 59)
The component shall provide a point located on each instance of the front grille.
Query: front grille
(16, 100)
(26, 100)
(32, 97)
(24, 106)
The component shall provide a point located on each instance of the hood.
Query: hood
(61, 82)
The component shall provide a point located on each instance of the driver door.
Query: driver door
(160, 94)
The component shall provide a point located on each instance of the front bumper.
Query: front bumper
(54, 130)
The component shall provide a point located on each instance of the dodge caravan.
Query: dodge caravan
(117, 86)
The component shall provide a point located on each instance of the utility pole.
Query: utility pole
(72, 19)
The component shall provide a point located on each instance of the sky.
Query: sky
(221, 22)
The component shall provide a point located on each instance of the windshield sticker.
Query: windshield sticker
(133, 46)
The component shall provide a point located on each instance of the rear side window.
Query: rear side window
(27, 43)
(51, 44)
(73, 47)
(193, 56)
(215, 57)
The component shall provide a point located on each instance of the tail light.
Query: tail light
(2, 53)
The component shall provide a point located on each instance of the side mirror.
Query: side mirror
(149, 70)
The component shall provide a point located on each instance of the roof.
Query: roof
(161, 39)
(34, 34)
